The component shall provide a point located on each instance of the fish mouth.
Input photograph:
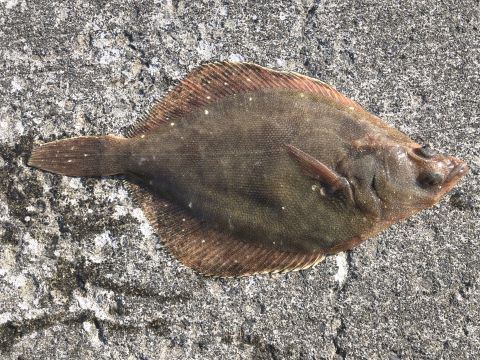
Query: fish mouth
(458, 168)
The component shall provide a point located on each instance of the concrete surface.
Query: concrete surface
(82, 276)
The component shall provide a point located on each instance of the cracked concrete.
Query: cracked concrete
(83, 276)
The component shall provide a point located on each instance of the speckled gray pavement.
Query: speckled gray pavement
(82, 275)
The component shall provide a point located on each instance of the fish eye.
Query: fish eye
(430, 179)
(426, 151)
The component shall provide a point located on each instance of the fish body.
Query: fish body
(244, 170)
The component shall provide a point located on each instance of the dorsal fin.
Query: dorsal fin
(210, 252)
(211, 82)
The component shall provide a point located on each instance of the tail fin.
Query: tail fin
(82, 156)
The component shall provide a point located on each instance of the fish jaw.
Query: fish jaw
(457, 169)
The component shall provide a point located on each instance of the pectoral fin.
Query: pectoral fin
(318, 170)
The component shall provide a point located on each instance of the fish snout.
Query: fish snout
(456, 169)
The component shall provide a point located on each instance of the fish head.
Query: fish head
(394, 180)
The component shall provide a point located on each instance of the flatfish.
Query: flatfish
(244, 170)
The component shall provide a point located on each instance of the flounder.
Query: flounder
(244, 170)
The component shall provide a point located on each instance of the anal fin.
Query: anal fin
(212, 253)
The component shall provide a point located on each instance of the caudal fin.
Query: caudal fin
(82, 156)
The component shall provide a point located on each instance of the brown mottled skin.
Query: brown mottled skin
(228, 162)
